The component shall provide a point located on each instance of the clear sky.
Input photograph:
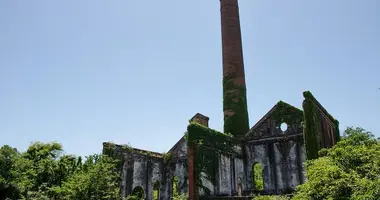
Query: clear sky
(135, 71)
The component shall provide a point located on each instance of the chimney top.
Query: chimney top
(201, 119)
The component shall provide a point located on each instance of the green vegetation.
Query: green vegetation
(208, 144)
(137, 194)
(258, 177)
(176, 194)
(43, 172)
(348, 170)
(235, 99)
(312, 125)
(286, 113)
(268, 197)
(156, 190)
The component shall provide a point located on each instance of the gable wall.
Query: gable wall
(281, 154)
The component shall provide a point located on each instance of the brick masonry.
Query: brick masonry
(281, 153)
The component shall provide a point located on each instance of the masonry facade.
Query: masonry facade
(279, 143)
(280, 151)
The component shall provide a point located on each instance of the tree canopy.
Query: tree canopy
(348, 170)
(43, 172)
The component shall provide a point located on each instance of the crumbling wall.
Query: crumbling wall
(321, 130)
(218, 162)
(140, 168)
(280, 152)
(230, 169)
(179, 166)
(225, 175)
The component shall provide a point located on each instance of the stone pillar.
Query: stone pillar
(193, 189)
(234, 88)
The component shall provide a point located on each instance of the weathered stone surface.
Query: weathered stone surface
(281, 154)
(142, 168)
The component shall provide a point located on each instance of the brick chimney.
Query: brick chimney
(201, 119)
(234, 89)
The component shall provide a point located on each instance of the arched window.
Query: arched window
(175, 186)
(156, 191)
(137, 194)
(240, 187)
(257, 173)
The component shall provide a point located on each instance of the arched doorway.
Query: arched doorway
(156, 190)
(137, 194)
(258, 180)
(239, 187)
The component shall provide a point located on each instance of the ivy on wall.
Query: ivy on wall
(312, 124)
(208, 144)
(116, 152)
(311, 129)
(287, 113)
(235, 99)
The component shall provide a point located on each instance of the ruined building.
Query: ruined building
(209, 163)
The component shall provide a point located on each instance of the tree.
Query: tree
(96, 180)
(43, 172)
(348, 170)
(7, 162)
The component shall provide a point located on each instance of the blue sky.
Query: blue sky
(89, 71)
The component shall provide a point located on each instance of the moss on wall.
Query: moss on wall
(208, 145)
(287, 113)
(235, 99)
(311, 132)
(312, 124)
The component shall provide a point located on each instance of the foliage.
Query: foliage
(127, 147)
(8, 188)
(312, 125)
(208, 145)
(258, 177)
(96, 180)
(287, 113)
(133, 197)
(235, 100)
(348, 170)
(167, 156)
(182, 196)
(156, 190)
(137, 194)
(43, 172)
(176, 193)
(270, 197)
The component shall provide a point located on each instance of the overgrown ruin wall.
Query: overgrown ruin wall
(229, 175)
(141, 168)
(321, 130)
(281, 153)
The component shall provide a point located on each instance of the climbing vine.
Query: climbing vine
(311, 133)
(235, 99)
(208, 144)
(312, 125)
(167, 156)
(287, 113)
(109, 149)
(127, 147)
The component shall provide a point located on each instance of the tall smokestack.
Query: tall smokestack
(234, 89)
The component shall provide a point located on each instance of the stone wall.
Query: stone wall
(142, 168)
(281, 153)
(321, 129)
(230, 175)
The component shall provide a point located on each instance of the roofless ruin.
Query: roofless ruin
(209, 163)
